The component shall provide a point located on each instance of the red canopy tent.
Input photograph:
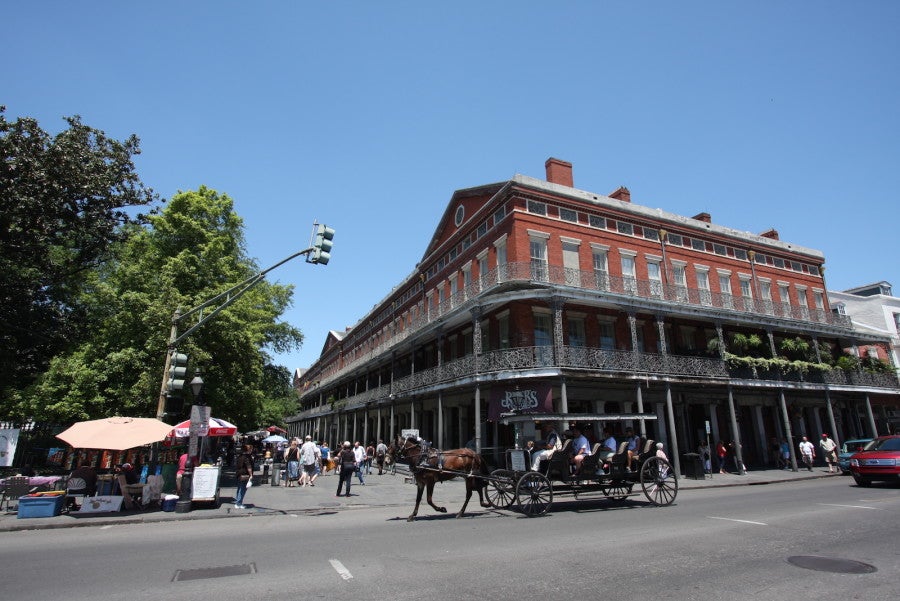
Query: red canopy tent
(276, 430)
(215, 427)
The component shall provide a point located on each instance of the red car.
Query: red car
(879, 460)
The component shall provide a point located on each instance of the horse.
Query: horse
(428, 466)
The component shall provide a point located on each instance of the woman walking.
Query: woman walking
(244, 475)
(347, 466)
(292, 457)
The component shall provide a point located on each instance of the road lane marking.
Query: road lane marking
(340, 569)
(712, 517)
(848, 506)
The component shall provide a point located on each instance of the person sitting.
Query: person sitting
(88, 475)
(550, 444)
(633, 447)
(581, 448)
(126, 475)
(608, 446)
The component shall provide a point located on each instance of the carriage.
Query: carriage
(532, 492)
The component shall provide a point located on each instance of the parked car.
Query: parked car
(880, 460)
(849, 448)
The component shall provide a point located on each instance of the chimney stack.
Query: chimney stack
(772, 233)
(704, 217)
(622, 193)
(559, 172)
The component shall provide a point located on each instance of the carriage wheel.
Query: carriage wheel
(501, 489)
(534, 494)
(659, 481)
(618, 490)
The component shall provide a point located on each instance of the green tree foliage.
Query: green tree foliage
(191, 251)
(64, 200)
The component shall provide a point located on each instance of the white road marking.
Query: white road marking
(106, 527)
(711, 517)
(847, 506)
(340, 569)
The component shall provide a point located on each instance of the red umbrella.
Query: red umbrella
(215, 427)
(276, 429)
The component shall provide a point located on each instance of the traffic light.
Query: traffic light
(177, 371)
(321, 252)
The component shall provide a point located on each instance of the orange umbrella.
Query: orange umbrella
(115, 433)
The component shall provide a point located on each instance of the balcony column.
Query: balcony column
(873, 430)
(720, 335)
(478, 418)
(440, 420)
(640, 409)
(393, 431)
(557, 305)
(673, 436)
(736, 434)
(661, 333)
(476, 335)
(632, 325)
(788, 433)
(771, 336)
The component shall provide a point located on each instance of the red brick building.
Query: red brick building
(582, 302)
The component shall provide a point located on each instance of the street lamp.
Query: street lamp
(184, 500)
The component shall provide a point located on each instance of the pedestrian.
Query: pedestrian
(785, 454)
(703, 451)
(359, 452)
(807, 452)
(370, 457)
(346, 459)
(308, 459)
(324, 456)
(829, 453)
(292, 458)
(722, 454)
(244, 473)
(380, 453)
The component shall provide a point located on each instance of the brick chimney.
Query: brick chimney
(704, 217)
(559, 172)
(772, 233)
(622, 193)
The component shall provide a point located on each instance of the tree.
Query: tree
(64, 200)
(191, 251)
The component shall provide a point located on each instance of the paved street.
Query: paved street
(712, 543)
(380, 491)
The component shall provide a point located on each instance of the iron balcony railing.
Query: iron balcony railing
(602, 361)
(615, 287)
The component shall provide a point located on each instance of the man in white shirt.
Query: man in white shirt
(807, 452)
(553, 443)
(309, 457)
(359, 452)
(829, 448)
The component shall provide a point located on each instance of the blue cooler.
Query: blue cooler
(168, 504)
(40, 507)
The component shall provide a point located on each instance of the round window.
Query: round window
(460, 215)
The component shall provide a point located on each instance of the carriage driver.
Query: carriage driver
(552, 443)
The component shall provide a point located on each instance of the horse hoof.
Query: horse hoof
(442, 509)
(411, 518)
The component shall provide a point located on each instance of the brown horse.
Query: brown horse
(429, 465)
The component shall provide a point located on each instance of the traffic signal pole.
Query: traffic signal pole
(320, 251)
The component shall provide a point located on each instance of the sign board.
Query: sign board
(200, 415)
(517, 460)
(409, 433)
(101, 504)
(707, 427)
(205, 483)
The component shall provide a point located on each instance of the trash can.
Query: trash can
(276, 474)
(692, 466)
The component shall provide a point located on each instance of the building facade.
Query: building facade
(534, 295)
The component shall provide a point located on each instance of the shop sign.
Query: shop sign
(531, 399)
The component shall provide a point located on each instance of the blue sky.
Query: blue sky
(368, 115)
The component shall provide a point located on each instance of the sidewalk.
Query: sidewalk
(379, 491)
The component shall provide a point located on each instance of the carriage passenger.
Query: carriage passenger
(608, 446)
(581, 448)
(633, 447)
(553, 443)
